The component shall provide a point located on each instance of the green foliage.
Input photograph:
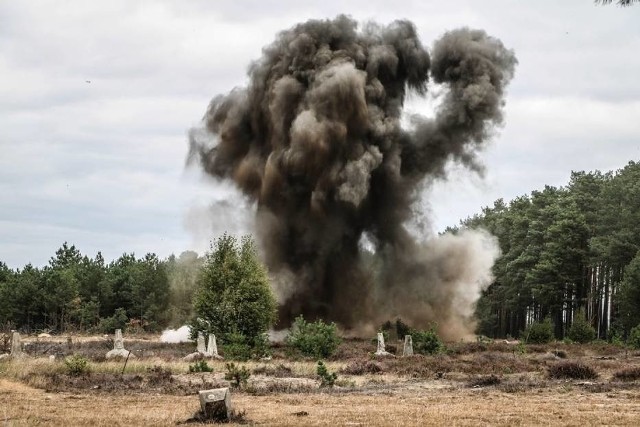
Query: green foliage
(573, 243)
(261, 346)
(581, 331)
(119, 320)
(426, 342)
(630, 294)
(200, 366)
(76, 365)
(402, 328)
(236, 347)
(182, 273)
(233, 295)
(633, 340)
(327, 379)
(237, 375)
(539, 332)
(317, 339)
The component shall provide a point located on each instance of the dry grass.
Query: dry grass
(156, 388)
(22, 405)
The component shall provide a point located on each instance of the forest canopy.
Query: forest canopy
(567, 250)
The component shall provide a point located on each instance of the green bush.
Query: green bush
(200, 366)
(76, 365)
(318, 339)
(581, 331)
(634, 338)
(236, 347)
(261, 346)
(327, 379)
(402, 329)
(426, 342)
(539, 332)
(237, 375)
(119, 320)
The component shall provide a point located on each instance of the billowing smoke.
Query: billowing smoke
(316, 140)
(182, 334)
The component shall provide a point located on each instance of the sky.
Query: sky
(96, 99)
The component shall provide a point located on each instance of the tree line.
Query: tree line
(76, 292)
(566, 252)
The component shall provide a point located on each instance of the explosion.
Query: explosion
(316, 140)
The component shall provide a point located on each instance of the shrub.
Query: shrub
(119, 320)
(629, 374)
(402, 329)
(539, 333)
(485, 381)
(327, 379)
(361, 367)
(426, 342)
(634, 337)
(560, 354)
(261, 346)
(235, 347)
(572, 370)
(581, 331)
(318, 339)
(200, 366)
(279, 371)
(237, 375)
(76, 365)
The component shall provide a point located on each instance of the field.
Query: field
(471, 383)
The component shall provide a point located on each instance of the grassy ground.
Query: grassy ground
(471, 384)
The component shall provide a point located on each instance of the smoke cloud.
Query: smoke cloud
(316, 141)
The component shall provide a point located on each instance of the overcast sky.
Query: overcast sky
(96, 99)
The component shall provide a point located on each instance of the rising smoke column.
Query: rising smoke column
(316, 141)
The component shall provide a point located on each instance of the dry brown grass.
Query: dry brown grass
(156, 388)
(23, 405)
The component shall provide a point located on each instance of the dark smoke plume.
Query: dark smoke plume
(316, 141)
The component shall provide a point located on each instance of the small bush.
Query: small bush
(319, 340)
(634, 338)
(560, 354)
(158, 375)
(539, 333)
(279, 371)
(237, 375)
(581, 331)
(119, 320)
(485, 381)
(200, 366)
(426, 342)
(261, 346)
(361, 367)
(327, 379)
(236, 347)
(629, 374)
(76, 365)
(402, 328)
(572, 370)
